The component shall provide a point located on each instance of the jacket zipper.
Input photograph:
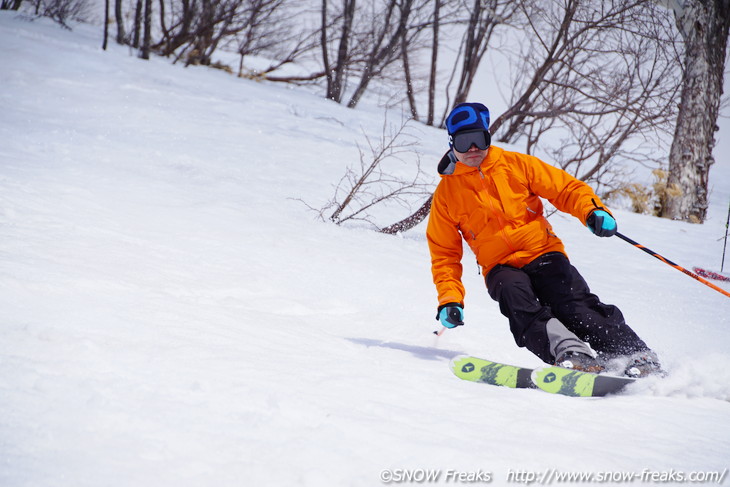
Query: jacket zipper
(500, 220)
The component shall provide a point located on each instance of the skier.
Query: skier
(490, 198)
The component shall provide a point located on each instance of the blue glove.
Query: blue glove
(451, 315)
(601, 223)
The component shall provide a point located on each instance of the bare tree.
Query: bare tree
(336, 74)
(63, 11)
(376, 181)
(106, 24)
(704, 26)
(434, 63)
(604, 79)
(119, 19)
(137, 29)
(596, 85)
(264, 27)
(369, 40)
(382, 43)
(484, 17)
(411, 220)
(147, 37)
(10, 4)
(474, 20)
(193, 30)
(404, 49)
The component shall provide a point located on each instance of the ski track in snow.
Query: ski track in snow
(172, 315)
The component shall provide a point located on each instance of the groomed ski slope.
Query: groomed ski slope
(172, 315)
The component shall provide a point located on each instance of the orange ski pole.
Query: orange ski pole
(676, 266)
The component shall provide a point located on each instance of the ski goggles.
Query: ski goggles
(462, 141)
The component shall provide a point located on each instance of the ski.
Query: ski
(710, 274)
(569, 382)
(552, 379)
(497, 374)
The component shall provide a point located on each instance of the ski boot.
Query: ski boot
(643, 364)
(579, 361)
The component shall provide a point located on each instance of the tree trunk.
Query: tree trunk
(325, 52)
(336, 74)
(704, 27)
(517, 113)
(343, 51)
(410, 221)
(434, 60)
(410, 92)
(376, 55)
(147, 37)
(119, 17)
(470, 52)
(10, 4)
(106, 24)
(137, 24)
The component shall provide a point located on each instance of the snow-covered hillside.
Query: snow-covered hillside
(172, 315)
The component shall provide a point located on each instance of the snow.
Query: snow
(173, 315)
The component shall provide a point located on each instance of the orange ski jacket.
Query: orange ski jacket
(496, 209)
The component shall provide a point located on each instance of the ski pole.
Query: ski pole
(667, 261)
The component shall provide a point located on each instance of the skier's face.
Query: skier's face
(473, 157)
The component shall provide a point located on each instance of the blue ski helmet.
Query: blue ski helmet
(468, 116)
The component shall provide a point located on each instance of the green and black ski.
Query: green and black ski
(494, 373)
(555, 380)
(568, 382)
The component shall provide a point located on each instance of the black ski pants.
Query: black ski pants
(550, 288)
